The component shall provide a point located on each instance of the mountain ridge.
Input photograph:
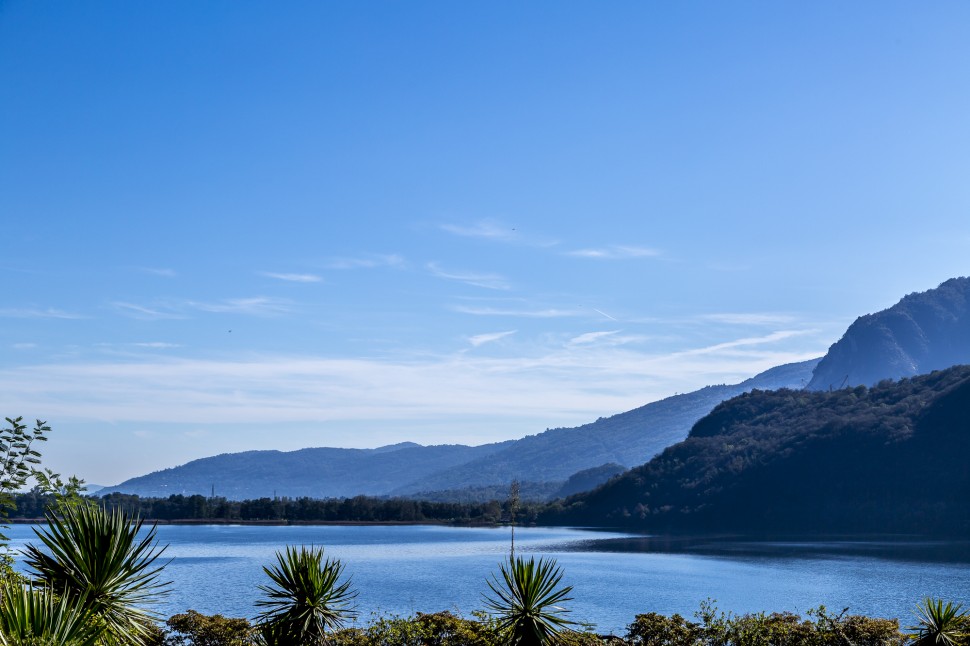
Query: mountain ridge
(428, 471)
(924, 331)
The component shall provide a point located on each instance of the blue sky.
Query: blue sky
(242, 225)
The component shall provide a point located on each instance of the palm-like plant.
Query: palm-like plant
(97, 561)
(940, 623)
(31, 617)
(307, 597)
(526, 601)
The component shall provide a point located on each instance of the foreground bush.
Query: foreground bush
(715, 628)
(438, 629)
(195, 629)
(711, 628)
(33, 617)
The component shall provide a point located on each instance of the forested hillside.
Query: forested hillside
(892, 458)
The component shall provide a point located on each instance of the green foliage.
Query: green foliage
(98, 562)
(713, 628)
(716, 628)
(941, 624)
(525, 601)
(799, 461)
(652, 629)
(62, 494)
(17, 457)
(307, 597)
(437, 629)
(156, 636)
(195, 629)
(37, 617)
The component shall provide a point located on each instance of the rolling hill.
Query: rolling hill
(455, 472)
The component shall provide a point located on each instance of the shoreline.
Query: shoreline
(279, 523)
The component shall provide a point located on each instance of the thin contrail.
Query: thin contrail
(603, 313)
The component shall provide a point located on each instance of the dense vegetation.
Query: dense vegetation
(363, 509)
(887, 459)
(710, 627)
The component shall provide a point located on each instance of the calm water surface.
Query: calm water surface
(407, 569)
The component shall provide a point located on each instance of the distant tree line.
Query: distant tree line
(178, 507)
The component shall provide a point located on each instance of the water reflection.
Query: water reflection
(895, 548)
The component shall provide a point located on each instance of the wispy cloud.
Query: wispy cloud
(34, 313)
(489, 229)
(254, 306)
(546, 313)
(257, 306)
(23, 346)
(486, 280)
(615, 252)
(573, 383)
(159, 345)
(366, 262)
(293, 278)
(146, 313)
(482, 229)
(748, 318)
(602, 313)
(592, 337)
(774, 337)
(482, 339)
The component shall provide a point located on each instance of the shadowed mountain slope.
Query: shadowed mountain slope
(887, 459)
(923, 332)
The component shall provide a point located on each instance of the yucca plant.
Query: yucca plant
(38, 617)
(525, 601)
(306, 599)
(97, 561)
(940, 624)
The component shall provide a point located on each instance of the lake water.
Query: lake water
(407, 569)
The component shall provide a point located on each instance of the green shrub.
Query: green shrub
(437, 629)
(195, 629)
(586, 638)
(652, 629)
(785, 629)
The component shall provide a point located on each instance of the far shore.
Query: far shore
(223, 521)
